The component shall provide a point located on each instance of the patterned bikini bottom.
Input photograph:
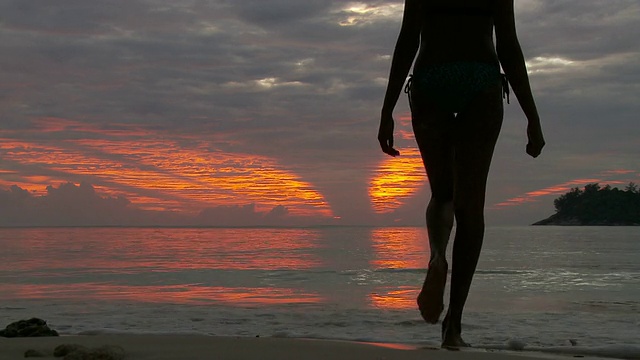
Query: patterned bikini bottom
(454, 85)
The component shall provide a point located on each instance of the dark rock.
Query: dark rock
(80, 354)
(573, 342)
(65, 349)
(33, 353)
(28, 328)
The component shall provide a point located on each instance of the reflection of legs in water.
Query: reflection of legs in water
(457, 154)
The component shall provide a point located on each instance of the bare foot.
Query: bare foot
(454, 342)
(430, 298)
(451, 336)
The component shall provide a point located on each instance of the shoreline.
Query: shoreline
(195, 347)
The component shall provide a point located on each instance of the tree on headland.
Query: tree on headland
(596, 205)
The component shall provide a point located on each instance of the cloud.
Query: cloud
(65, 205)
(81, 205)
(143, 98)
(155, 169)
(248, 215)
(396, 180)
(615, 178)
(278, 12)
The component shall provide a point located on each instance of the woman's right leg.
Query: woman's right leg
(433, 131)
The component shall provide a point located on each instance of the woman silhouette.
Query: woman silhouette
(456, 93)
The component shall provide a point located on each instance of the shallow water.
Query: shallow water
(538, 287)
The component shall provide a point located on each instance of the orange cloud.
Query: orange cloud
(157, 170)
(395, 180)
(560, 189)
(617, 172)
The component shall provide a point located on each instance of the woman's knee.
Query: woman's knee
(469, 213)
(442, 196)
(440, 206)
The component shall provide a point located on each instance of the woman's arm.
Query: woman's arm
(513, 64)
(405, 51)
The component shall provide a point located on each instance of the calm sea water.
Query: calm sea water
(543, 288)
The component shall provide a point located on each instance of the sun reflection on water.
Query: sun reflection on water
(398, 249)
(124, 249)
(231, 266)
(400, 298)
(182, 266)
(189, 294)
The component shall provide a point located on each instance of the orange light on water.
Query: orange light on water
(191, 294)
(400, 248)
(395, 299)
(395, 180)
(186, 266)
(189, 249)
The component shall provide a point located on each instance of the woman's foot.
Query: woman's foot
(430, 299)
(454, 342)
(451, 336)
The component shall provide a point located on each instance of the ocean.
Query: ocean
(569, 290)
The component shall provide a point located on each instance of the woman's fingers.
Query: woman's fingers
(385, 137)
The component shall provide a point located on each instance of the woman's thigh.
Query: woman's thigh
(475, 139)
(433, 129)
(457, 151)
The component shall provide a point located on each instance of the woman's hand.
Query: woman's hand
(536, 139)
(385, 135)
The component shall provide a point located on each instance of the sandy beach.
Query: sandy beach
(195, 347)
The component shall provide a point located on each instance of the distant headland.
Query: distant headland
(597, 206)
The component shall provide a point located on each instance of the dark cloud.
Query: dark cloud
(67, 204)
(583, 29)
(279, 12)
(302, 82)
(247, 215)
(80, 205)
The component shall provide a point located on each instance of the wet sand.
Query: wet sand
(195, 347)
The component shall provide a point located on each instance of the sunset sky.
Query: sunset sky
(250, 112)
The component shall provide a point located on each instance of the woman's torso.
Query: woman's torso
(455, 31)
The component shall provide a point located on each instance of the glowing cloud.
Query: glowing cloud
(395, 180)
(560, 189)
(357, 13)
(158, 171)
(542, 64)
(263, 84)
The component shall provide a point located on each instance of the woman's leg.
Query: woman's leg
(433, 131)
(475, 138)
